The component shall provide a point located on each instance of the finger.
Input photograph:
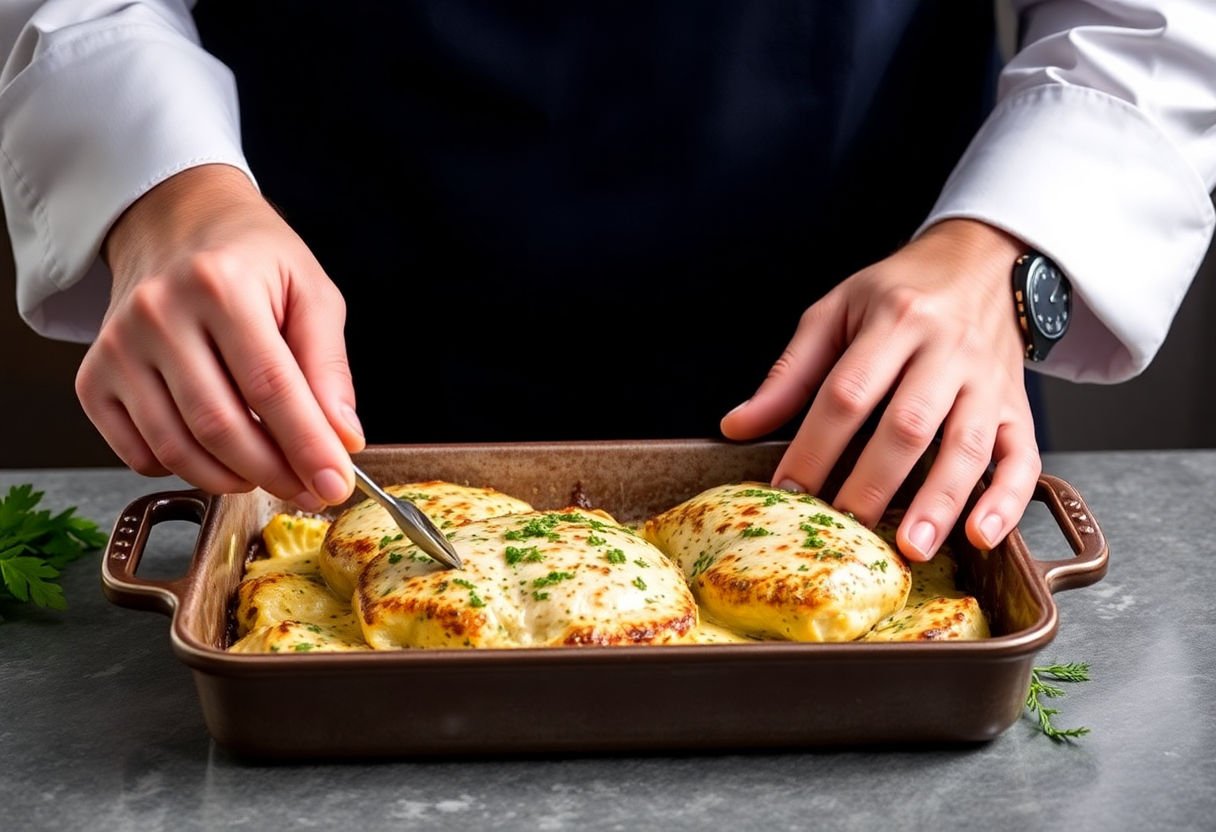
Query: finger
(795, 375)
(924, 398)
(156, 418)
(313, 330)
(115, 426)
(272, 384)
(1000, 508)
(965, 453)
(221, 423)
(851, 391)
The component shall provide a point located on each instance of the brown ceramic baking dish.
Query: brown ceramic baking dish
(595, 699)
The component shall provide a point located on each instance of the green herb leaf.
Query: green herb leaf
(35, 545)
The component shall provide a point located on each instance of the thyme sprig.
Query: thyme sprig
(1040, 690)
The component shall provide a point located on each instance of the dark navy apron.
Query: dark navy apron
(593, 220)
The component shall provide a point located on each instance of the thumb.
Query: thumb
(313, 328)
(796, 374)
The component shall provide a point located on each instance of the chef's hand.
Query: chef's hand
(220, 312)
(933, 327)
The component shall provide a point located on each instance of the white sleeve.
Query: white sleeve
(99, 101)
(1100, 153)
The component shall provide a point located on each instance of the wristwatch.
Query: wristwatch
(1042, 296)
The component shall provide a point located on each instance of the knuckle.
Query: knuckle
(268, 384)
(172, 453)
(846, 392)
(146, 303)
(972, 444)
(213, 426)
(212, 270)
(871, 498)
(913, 307)
(912, 428)
(143, 463)
(783, 367)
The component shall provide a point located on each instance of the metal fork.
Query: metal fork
(416, 525)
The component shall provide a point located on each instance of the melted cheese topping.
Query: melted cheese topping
(572, 577)
(771, 563)
(366, 530)
(569, 575)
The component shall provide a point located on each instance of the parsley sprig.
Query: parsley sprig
(1039, 690)
(36, 545)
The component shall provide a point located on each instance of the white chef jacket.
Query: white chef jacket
(1100, 153)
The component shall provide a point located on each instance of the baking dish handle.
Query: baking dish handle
(1080, 529)
(126, 547)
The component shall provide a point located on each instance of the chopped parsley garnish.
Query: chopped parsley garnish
(753, 492)
(825, 520)
(414, 496)
(802, 567)
(530, 554)
(756, 531)
(813, 540)
(615, 556)
(702, 563)
(387, 539)
(642, 563)
(536, 527)
(773, 499)
(464, 583)
(303, 647)
(552, 578)
(639, 583)
(475, 600)
(592, 540)
(420, 557)
(537, 595)
(394, 557)
(809, 500)
(878, 566)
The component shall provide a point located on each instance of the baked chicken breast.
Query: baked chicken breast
(775, 564)
(366, 530)
(570, 577)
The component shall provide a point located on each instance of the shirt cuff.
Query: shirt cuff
(90, 126)
(1090, 181)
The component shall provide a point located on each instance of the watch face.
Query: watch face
(1047, 299)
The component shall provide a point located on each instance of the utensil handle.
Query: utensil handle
(1080, 530)
(126, 548)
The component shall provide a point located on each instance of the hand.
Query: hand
(221, 356)
(933, 326)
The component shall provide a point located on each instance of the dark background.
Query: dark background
(1172, 405)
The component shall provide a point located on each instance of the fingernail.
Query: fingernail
(990, 528)
(348, 413)
(737, 408)
(790, 485)
(922, 537)
(330, 486)
(307, 501)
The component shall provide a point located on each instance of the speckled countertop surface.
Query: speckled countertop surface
(100, 727)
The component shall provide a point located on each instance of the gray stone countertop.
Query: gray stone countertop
(100, 727)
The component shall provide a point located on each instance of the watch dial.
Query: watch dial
(1048, 296)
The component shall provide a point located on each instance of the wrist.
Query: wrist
(170, 211)
(973, 240)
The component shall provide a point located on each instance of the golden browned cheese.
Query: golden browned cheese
(771, 563)
(366, 530)
(937, 610)
(297, 637)
(570, 577)
(275, 597)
